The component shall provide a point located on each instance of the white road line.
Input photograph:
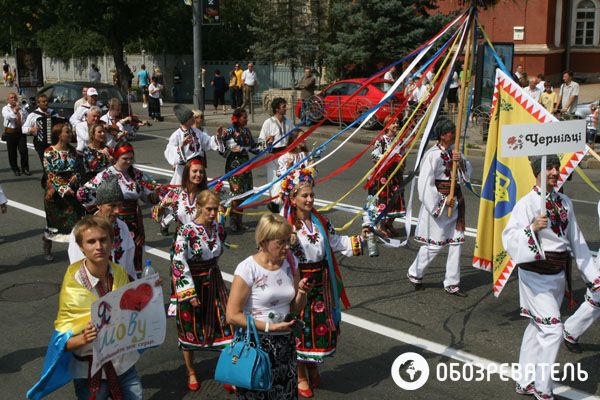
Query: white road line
(469, 232)
(374, 327)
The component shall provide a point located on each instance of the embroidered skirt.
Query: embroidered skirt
(318, 339)
(131, 214)
(204, 326)
(62, 213)
(239, 183)
(392, 195)
(282, 354)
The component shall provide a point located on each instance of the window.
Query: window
(585, 23)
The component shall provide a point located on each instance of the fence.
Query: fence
(77, 69)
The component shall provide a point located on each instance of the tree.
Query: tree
(287, 31)
(368, 34)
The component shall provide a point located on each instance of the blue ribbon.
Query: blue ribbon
(337, 312)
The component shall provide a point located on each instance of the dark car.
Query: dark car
(63, 95)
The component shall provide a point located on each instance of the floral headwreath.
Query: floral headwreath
(303, 176)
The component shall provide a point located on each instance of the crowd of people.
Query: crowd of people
(292, 286)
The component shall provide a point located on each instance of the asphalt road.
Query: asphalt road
(387, 317)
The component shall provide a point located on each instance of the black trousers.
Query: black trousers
(17, 142)
(39, 148)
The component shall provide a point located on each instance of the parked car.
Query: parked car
(332, 103)
(63, 95)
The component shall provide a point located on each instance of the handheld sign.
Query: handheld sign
(522, 140)
(128, 319)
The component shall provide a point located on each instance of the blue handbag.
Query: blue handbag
(243, 363)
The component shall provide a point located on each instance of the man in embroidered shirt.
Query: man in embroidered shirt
(435, 228)
(188, 143)
(540, 244)
(70, 349)
(272, 133)
(586, 314)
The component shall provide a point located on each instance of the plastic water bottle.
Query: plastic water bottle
(148, 270)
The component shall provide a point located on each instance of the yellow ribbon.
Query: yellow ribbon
(396, 140)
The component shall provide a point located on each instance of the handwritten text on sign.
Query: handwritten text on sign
(542, 139)
(128, 319)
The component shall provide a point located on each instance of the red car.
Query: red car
(333, 104)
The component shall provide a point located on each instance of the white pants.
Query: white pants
(426, 255)
(540, 346)
(274, 191)
(583, 318)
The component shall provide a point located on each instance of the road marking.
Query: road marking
(349, 208)
(374, 327)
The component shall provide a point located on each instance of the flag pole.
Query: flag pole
(461, 104)
(543, 186)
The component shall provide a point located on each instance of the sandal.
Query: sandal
(306, 393)
(193, 386)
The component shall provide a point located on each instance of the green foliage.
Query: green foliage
(287, 31)
(369, 34)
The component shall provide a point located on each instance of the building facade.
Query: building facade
(550, 36)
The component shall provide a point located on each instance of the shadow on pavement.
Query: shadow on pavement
(12, 362)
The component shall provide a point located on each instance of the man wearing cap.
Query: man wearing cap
(435, 228)
(79, 114)
(540, 244)
(109, 199)
(188, 143)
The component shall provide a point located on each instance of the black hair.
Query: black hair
(277, 101)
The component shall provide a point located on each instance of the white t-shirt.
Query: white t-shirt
(151, 88)
(271, 292)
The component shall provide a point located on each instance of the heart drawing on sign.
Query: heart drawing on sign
(136, 299)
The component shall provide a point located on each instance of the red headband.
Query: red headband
(122, 150)
(195, 161)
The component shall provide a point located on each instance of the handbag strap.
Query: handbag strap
(250, 325)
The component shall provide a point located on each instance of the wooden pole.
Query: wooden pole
(462, 101)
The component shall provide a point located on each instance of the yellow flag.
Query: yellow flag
(506, 180)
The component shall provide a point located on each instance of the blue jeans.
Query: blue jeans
(131, 385)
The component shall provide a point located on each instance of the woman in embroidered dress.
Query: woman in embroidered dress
(201, 292)
(392, 195)
(238, 143)
(135, 186)
(179, 204)
(314, 241)
(61, 206)
(267, 286)
(96, 156)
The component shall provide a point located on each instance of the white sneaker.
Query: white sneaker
(145, 105)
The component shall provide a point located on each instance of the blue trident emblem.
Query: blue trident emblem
(501, 188)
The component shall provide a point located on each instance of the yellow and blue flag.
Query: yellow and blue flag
(506, 180)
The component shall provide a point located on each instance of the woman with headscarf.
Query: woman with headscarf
(135, 186)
